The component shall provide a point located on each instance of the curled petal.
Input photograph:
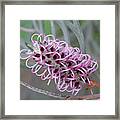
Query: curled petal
(41, 74)
(30, 63)
(25, 53)
(48, 38)
(36, 68)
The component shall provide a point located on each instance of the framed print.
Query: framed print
(59, 59)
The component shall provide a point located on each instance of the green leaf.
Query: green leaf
(29, 46)
(25, 36)
(47, 27)
(59, 32)
(26, 23)
(64, 30)
(35, 37)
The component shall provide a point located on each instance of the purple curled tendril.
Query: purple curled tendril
(52, 59)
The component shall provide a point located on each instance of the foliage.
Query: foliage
(84, 34)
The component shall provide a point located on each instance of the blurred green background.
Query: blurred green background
(84, 34)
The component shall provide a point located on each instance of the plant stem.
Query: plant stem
(51, 94)
(27, 30)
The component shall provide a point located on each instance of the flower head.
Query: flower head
(53, 59)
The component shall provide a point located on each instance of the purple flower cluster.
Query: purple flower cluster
(53, 59)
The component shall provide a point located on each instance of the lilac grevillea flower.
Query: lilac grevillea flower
(53, 59)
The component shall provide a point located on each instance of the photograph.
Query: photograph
(60, 55)
(59, 59)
